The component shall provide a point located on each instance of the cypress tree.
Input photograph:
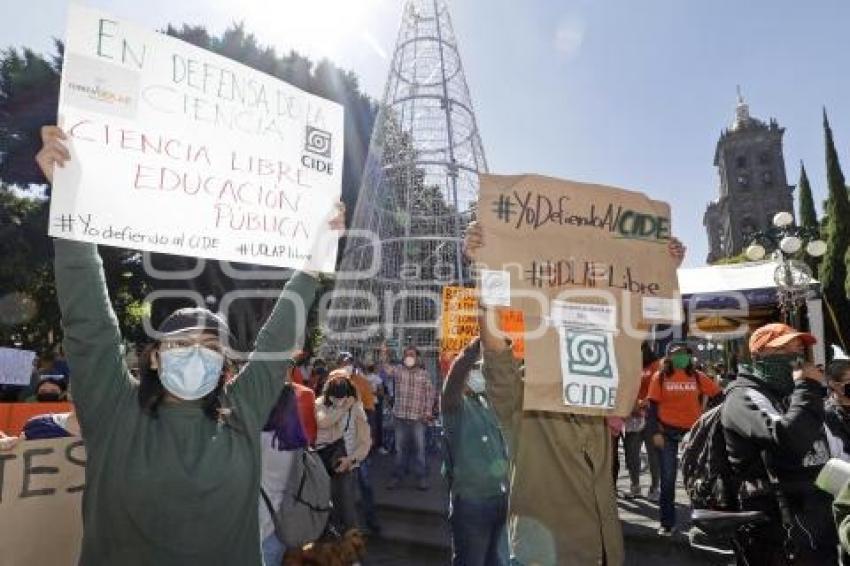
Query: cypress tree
(808, 215)
(834, 268)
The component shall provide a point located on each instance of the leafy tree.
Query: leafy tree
(834, 269)
(29, 96)
(28, 311)
(808, 214)
(29, 87)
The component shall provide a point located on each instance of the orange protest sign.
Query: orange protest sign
(460, 324)
(512, 323)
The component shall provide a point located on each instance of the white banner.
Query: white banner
(178, 150)
(16, 366)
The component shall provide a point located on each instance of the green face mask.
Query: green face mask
(777, 371)
(680, 360)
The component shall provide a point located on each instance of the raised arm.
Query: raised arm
(260, 382)
(501, 371)
(456, 379)
(502, 376)
(92, 338)
(752, 415)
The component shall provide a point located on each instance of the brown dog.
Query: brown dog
(346, 551)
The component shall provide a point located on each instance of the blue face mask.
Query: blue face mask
(190, 373)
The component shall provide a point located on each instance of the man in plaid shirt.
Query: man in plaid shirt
(412, 411)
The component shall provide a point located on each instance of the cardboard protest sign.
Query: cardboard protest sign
(460, 324)
(16, 366)
(41, 485)
(179, 150)
(589, 267)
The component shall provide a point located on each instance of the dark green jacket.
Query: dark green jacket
(476, 460)
(178, 489)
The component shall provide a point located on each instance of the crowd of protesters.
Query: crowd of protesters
(189, 459)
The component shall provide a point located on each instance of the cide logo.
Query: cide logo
(589, 353)
(317, 144)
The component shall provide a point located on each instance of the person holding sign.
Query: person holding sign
(173, 469)
(475, 464)
(563, 509)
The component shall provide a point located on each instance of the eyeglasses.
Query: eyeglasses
(205, 342)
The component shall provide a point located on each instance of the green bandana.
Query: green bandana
(777, 371)
(680, 360)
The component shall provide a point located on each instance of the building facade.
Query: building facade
(753, 185)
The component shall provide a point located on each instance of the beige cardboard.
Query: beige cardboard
(40, 497)
(562, 239)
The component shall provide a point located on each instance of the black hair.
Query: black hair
(647, 355)
(338, 387)
(667, 368)
(62, 384)
(836, 369)
(152, 391)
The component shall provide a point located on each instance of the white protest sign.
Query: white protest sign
(41, 487)
(588, 357)
(566, 313)
(495, 288)
(16, 366)
(588, 367)
(659, 308)
(179, 150)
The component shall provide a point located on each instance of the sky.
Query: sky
(619, 92)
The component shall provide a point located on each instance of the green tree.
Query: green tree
(28, 312)
(29, 96)
(834, 268)
(808, 215)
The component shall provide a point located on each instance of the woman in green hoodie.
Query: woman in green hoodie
(173, 470)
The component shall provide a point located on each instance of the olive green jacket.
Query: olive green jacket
(563, 508)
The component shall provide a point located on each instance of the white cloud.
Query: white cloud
(569, 36)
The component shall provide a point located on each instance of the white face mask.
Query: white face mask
(190, 373)
(349, 369)
(475, 381)
(409, 361)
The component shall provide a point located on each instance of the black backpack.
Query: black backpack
(706, 470)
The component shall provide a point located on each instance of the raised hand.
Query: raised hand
(677, 250)
(53, 152)
(473, 240)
